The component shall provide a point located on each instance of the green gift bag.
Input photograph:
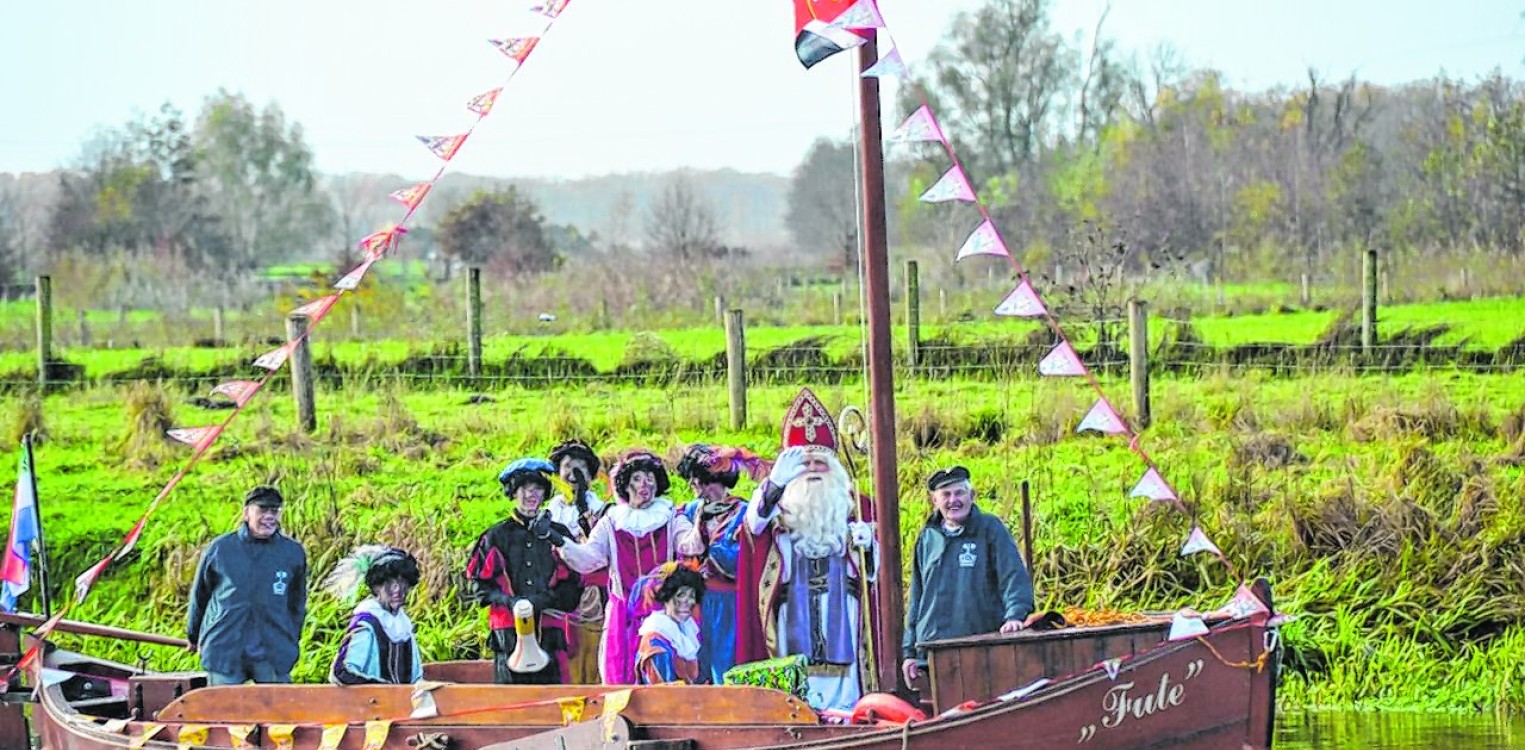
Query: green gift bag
(786, 673)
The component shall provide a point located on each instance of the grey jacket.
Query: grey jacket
(964, 585)
(249, 601)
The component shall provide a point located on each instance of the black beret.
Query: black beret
(946, 477)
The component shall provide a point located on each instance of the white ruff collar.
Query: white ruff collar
(397, 625)
(594, 502)
(684, 637)
(644, 521)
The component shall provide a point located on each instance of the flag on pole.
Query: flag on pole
(16, 573)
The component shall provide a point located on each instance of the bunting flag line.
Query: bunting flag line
(550, 9)
(889, 66)
(317, 309)
(237, 391)
(381, 241)
(516, 49)
(985, 240)
(482, 103)
(196, 437)
(443, 146)
(1102, 418)
(817, 37)
(351, 281)
(275, 358)
(863, 14)
(1153, 486)
(1184, 626)
(1062, 362)
(132, 538)
(86, 580)
(412, 196)
(1197, 541)
(920, 127)
(1244, 604)
(1023, 302)
(952, 186)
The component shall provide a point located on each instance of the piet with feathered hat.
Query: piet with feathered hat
(515, 560)
(379, 646)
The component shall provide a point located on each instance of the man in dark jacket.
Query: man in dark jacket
(249, 599)
(966, 576)
(513, 560)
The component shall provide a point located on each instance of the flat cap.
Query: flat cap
(945, 477)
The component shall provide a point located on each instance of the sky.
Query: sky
(619, 85)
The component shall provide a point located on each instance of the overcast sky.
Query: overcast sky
(617, 85)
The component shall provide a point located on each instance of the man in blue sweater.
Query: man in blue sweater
(249, 599)
(966, 576)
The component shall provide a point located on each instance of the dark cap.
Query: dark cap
(946, 477)
(264, 496)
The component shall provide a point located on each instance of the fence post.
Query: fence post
(217, 326)
(1466, 283)
(474, 321)
(913, 312)
(1369, 301)
(1307, 297)
(44, 328)
(354, 321)
(1138, 359)
(942, 305)
(836, 307)
(301, 372)
(1387, 289)
(83, 319)
(720, 309)
(736, 367)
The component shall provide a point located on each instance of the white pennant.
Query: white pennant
(351, 280)
(1153, 486)
(1197, 541)
(240, 391)
(863, 14)
(196, 437)
(1023, 302)
(889, 66)
(316, 309)
(1244, 604)
(1102, 418)
(1183, 626)
(1062, 361)
(273, 359)
(1113, 666)
(985, 240)
(952, 186)
(921, 126)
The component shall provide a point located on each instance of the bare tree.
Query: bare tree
(681, 223)
(822, 214)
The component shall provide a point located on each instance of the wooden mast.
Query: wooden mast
(881, 375)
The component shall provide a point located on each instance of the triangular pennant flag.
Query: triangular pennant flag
(1023, 302)
(889, 66)
(1244, 604)
(443, 146)
(315, 310)
(550, 9)
(921, 126)
(273, 359)
(239, 391)
(376, 734)
(1113, 666)
(131, 540)
(1184, 626)
(1153, 486)
(863, 14)
(482, 103)
(333, 734)
(196, 437)
(1062, 361)
(1102, 418)
(351, 280)
(86, 581)
(149, 730)
(952, 186)
(1197, 541)
(985, 240)
(192, 735)
(377, 243)
(412, 196)
(517, 49)
(239, 735)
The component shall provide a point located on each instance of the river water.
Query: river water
(1327, 730)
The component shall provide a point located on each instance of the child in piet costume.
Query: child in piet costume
(379, 646)
(669, 647)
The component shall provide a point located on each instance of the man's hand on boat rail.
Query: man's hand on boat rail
(1012, 626)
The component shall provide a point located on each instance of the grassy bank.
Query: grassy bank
(1386, 511)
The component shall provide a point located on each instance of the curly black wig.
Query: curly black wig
(390, 565)
(677, 580)
(576, 449)
(524, 477)
(645, 462)
(695, 466)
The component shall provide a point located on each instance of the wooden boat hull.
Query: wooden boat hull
(1212, 692)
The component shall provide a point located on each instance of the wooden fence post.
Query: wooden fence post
(942, 305)
(301, 372)
(720, 309)
(44, 328)
(83, 319)
(736, 367)
(354, 321)
(1307, 298)
(836, 308)
(474, 321)
(1138, 359)
(218, 326)
(913, 312)
(1369, 301)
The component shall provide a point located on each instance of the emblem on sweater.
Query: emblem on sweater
(279, 587)
(966, 558)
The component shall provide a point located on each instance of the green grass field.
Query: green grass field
(1389, 512)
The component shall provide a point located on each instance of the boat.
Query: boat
(1125, 686)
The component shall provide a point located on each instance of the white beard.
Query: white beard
(816, 511)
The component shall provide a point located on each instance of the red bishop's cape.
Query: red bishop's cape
(806, 423)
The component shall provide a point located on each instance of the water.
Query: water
(1330, 730)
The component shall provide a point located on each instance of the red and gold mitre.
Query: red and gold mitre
(809, 424)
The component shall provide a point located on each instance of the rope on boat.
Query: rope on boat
(1258, 665)
(429, 741)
